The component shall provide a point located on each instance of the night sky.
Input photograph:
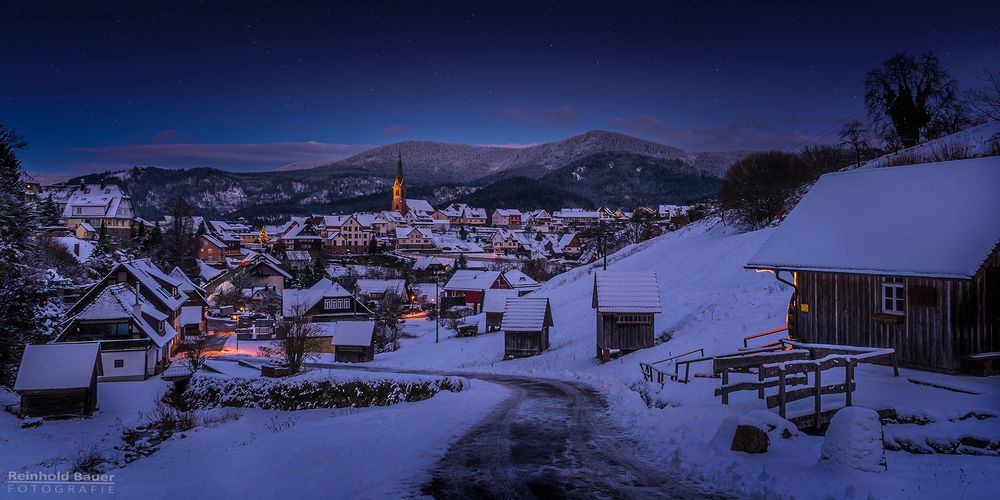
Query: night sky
(246, 86)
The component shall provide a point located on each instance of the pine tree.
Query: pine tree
(49, 211)
(102, 259)
(24, 296)
(201, 229)
(461, 262)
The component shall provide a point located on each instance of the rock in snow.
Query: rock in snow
(752, 432)
(854, 440)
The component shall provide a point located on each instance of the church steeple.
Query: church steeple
(399, 187)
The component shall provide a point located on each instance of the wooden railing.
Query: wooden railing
(748, 338)
(792, 366)
(649, 371)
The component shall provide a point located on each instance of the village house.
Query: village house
(386, 222)
(526, 323)
(214, 250)
(414, 238)
(575, 218)
(505, 242)
(136, 338)
(303, 237)
(520, 282)
(192, 318)
(569, 246)
(375, 290)
(460, 214)
(87, 207)
(58, 380)
(472, 285)
(626, 303)
(324, 302)
(297, 260)
(901, 257)
(539, 221)
(346, 234)
(256, 270)
(494, 305)
(508, 217)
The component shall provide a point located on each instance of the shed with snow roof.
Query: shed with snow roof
(56, 380)
(350, 341)
(626, 304)
(901, 257)
(494, 306)
(526, 323)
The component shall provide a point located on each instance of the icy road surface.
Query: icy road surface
(549, 439)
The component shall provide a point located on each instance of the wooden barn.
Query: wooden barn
(353, 341)
(901, 257)
(626, 304)
(526, 323)
(494, 305)
(58, 380)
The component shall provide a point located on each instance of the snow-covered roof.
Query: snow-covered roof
(405, 232)
(214, 240)
(939, 220)
(57, 366)
(94, 200)
(518, 279)
(369, 286)
(632, 292)
(157, 282)
(429, 260)
(206, 271)
(495, 300)
(507, 212)
(420, 205)
(576, 213)
(309, 297)
(117, 302)
(71, 242)
(301, 232)
(191, 315)
(297, 255)
(525, 314)
(186, 284)
(353, 333)
(472, 280)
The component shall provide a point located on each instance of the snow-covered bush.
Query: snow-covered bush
(292, 394)
(854, 440)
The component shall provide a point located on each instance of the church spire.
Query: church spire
(399, 187)
(399, 166)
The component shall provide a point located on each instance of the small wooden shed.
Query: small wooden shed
(354, 341)
(902, 257)
(526, 323)
(494, 305)
(626, 303)
(57, 380)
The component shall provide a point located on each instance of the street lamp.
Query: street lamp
(437, 305)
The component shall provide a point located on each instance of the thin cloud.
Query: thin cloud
(171, 135)
(753, 133)
(516, 115)
(397, 129)
(565, 114)
(225, 156)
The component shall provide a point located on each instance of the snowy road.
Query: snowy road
(549, 439)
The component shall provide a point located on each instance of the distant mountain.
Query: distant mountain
(604, 168)
(432, 162)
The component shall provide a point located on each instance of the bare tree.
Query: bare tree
(298, 338)
(757, 188)
(638, 227)
(986, 99)
(387, 318)
(194, 351)
(854, 135)
(907, 94)
(270, 302)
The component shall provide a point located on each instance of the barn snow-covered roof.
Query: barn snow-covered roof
(525, 314)
(472, 280)
(631, 292)
(57, 366)
(495, 300)
(936, 220)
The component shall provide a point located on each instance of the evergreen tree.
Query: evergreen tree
(102, 259)
(373, 247)
(461, 262)
(49, 211)
(180, 246)
(201, 229)
(24, 295)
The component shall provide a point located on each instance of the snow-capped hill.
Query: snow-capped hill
(429, 161)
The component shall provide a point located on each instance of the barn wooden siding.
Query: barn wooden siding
(945, 321)
(519, 344)
(613, 334)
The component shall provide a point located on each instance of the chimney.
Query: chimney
(83, 185)
(103, 183)
(76, 249)
(137, 306)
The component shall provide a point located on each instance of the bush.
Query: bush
(757, 189)
(166, 419)
(90, 461)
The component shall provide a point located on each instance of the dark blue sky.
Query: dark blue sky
(253, 86)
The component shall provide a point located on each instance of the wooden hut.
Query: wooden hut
(56, 380)
(494, 305)
(902, 257)
(526, 323)
(354, 341)
(626, 304)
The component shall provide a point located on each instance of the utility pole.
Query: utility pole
(437, 304)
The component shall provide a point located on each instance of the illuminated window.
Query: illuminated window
(893, 295)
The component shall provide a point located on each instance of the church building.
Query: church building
(399, 188)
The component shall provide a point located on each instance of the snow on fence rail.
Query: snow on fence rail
(792, 366)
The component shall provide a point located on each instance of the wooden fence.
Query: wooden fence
(649, 371)
(792, 367)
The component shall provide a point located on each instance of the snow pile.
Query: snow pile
(854, 440)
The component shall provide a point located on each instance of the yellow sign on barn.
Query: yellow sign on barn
(804, 308)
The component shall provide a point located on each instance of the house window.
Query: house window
(119, 363)
(893, 296)
(336, 303)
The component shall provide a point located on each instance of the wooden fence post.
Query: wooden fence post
(849, 379)
(781, 392)
(760, 379)
(819, 394)
(725, 382)
(895, 364)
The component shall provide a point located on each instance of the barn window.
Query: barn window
(893, 296)
(633, 319)
(119, 363)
